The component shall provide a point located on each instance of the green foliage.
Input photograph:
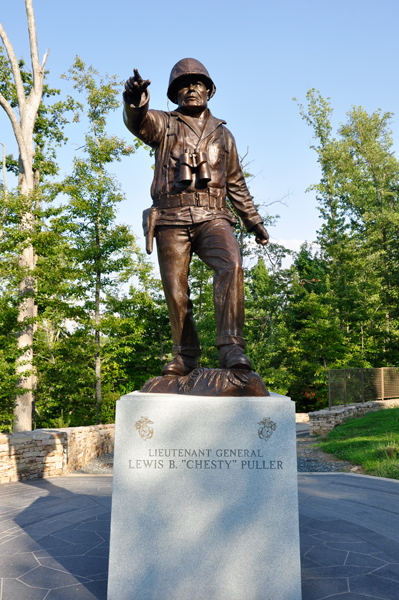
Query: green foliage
(137, 338)
(8, 355)
(102, 327)
(96, 257)
(371, 441)
(135, 343)
(341, 307)
(60, 423)
(13, 240)
(201, 292)
(65, 367)
(83, 263)
(95, 341)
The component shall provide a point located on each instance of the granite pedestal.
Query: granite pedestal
(205, 502)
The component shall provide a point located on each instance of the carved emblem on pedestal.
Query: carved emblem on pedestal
(267, 426)
(144, 429)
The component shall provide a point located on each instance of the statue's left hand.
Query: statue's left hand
(261, 235)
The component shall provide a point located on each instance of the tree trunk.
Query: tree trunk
(5, 189)
(162, 354)
(27, 378)
(98, 355)
(361, 330)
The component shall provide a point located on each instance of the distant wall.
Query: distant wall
(322, 421)
(49, 452)
(301, 418)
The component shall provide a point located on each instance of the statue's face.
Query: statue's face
(192, 95)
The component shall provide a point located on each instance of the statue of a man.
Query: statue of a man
(196, 167)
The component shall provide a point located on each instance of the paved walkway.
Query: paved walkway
(302, 428)
(54, 538)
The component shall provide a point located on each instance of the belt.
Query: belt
(213, 198)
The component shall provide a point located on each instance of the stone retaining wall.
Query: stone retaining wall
(322, 421)
(48, 452)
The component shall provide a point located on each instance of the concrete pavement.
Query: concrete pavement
(302, 428)
(54, 537)
(349, 527)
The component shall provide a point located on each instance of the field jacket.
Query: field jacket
(172, 133)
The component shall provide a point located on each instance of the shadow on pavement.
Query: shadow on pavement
(349, 533)
(54, 539)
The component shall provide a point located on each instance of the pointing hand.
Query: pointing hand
(134, 87)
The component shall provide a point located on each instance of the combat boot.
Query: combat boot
(231, 356)
(180, 365)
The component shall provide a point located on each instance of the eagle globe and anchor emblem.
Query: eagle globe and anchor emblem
(266, 429)
(144, 429)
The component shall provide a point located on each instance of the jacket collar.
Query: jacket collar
(211, 124)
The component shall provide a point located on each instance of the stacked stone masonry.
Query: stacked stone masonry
(49, 452)
(323, 421)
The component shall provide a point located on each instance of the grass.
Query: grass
(371, 442)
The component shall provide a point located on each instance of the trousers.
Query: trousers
(215, 244)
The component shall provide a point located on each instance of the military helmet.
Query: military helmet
(188, 66)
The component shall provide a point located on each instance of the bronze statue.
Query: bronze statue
(196, 167)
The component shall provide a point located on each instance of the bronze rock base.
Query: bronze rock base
(209, 382)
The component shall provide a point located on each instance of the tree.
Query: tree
(136, 332)
(28, 106)
(201, 290)
(66, 338)
(371, 203)
(101, 250)
(357, 195)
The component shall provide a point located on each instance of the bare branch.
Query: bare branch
(45, 57)
(278, 201)
(15, 68)
(29, 115)
(242, 158)
(5, 189)
(34, 53)
(266, 204)
(4, 169)
(8, 108)
(17, 132)
(13, 118)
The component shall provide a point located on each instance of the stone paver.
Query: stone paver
(349, 537)
(302, 428)
(54, 538)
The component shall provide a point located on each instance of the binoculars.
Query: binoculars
(194, 160)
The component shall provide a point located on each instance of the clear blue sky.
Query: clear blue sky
(260, 55)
